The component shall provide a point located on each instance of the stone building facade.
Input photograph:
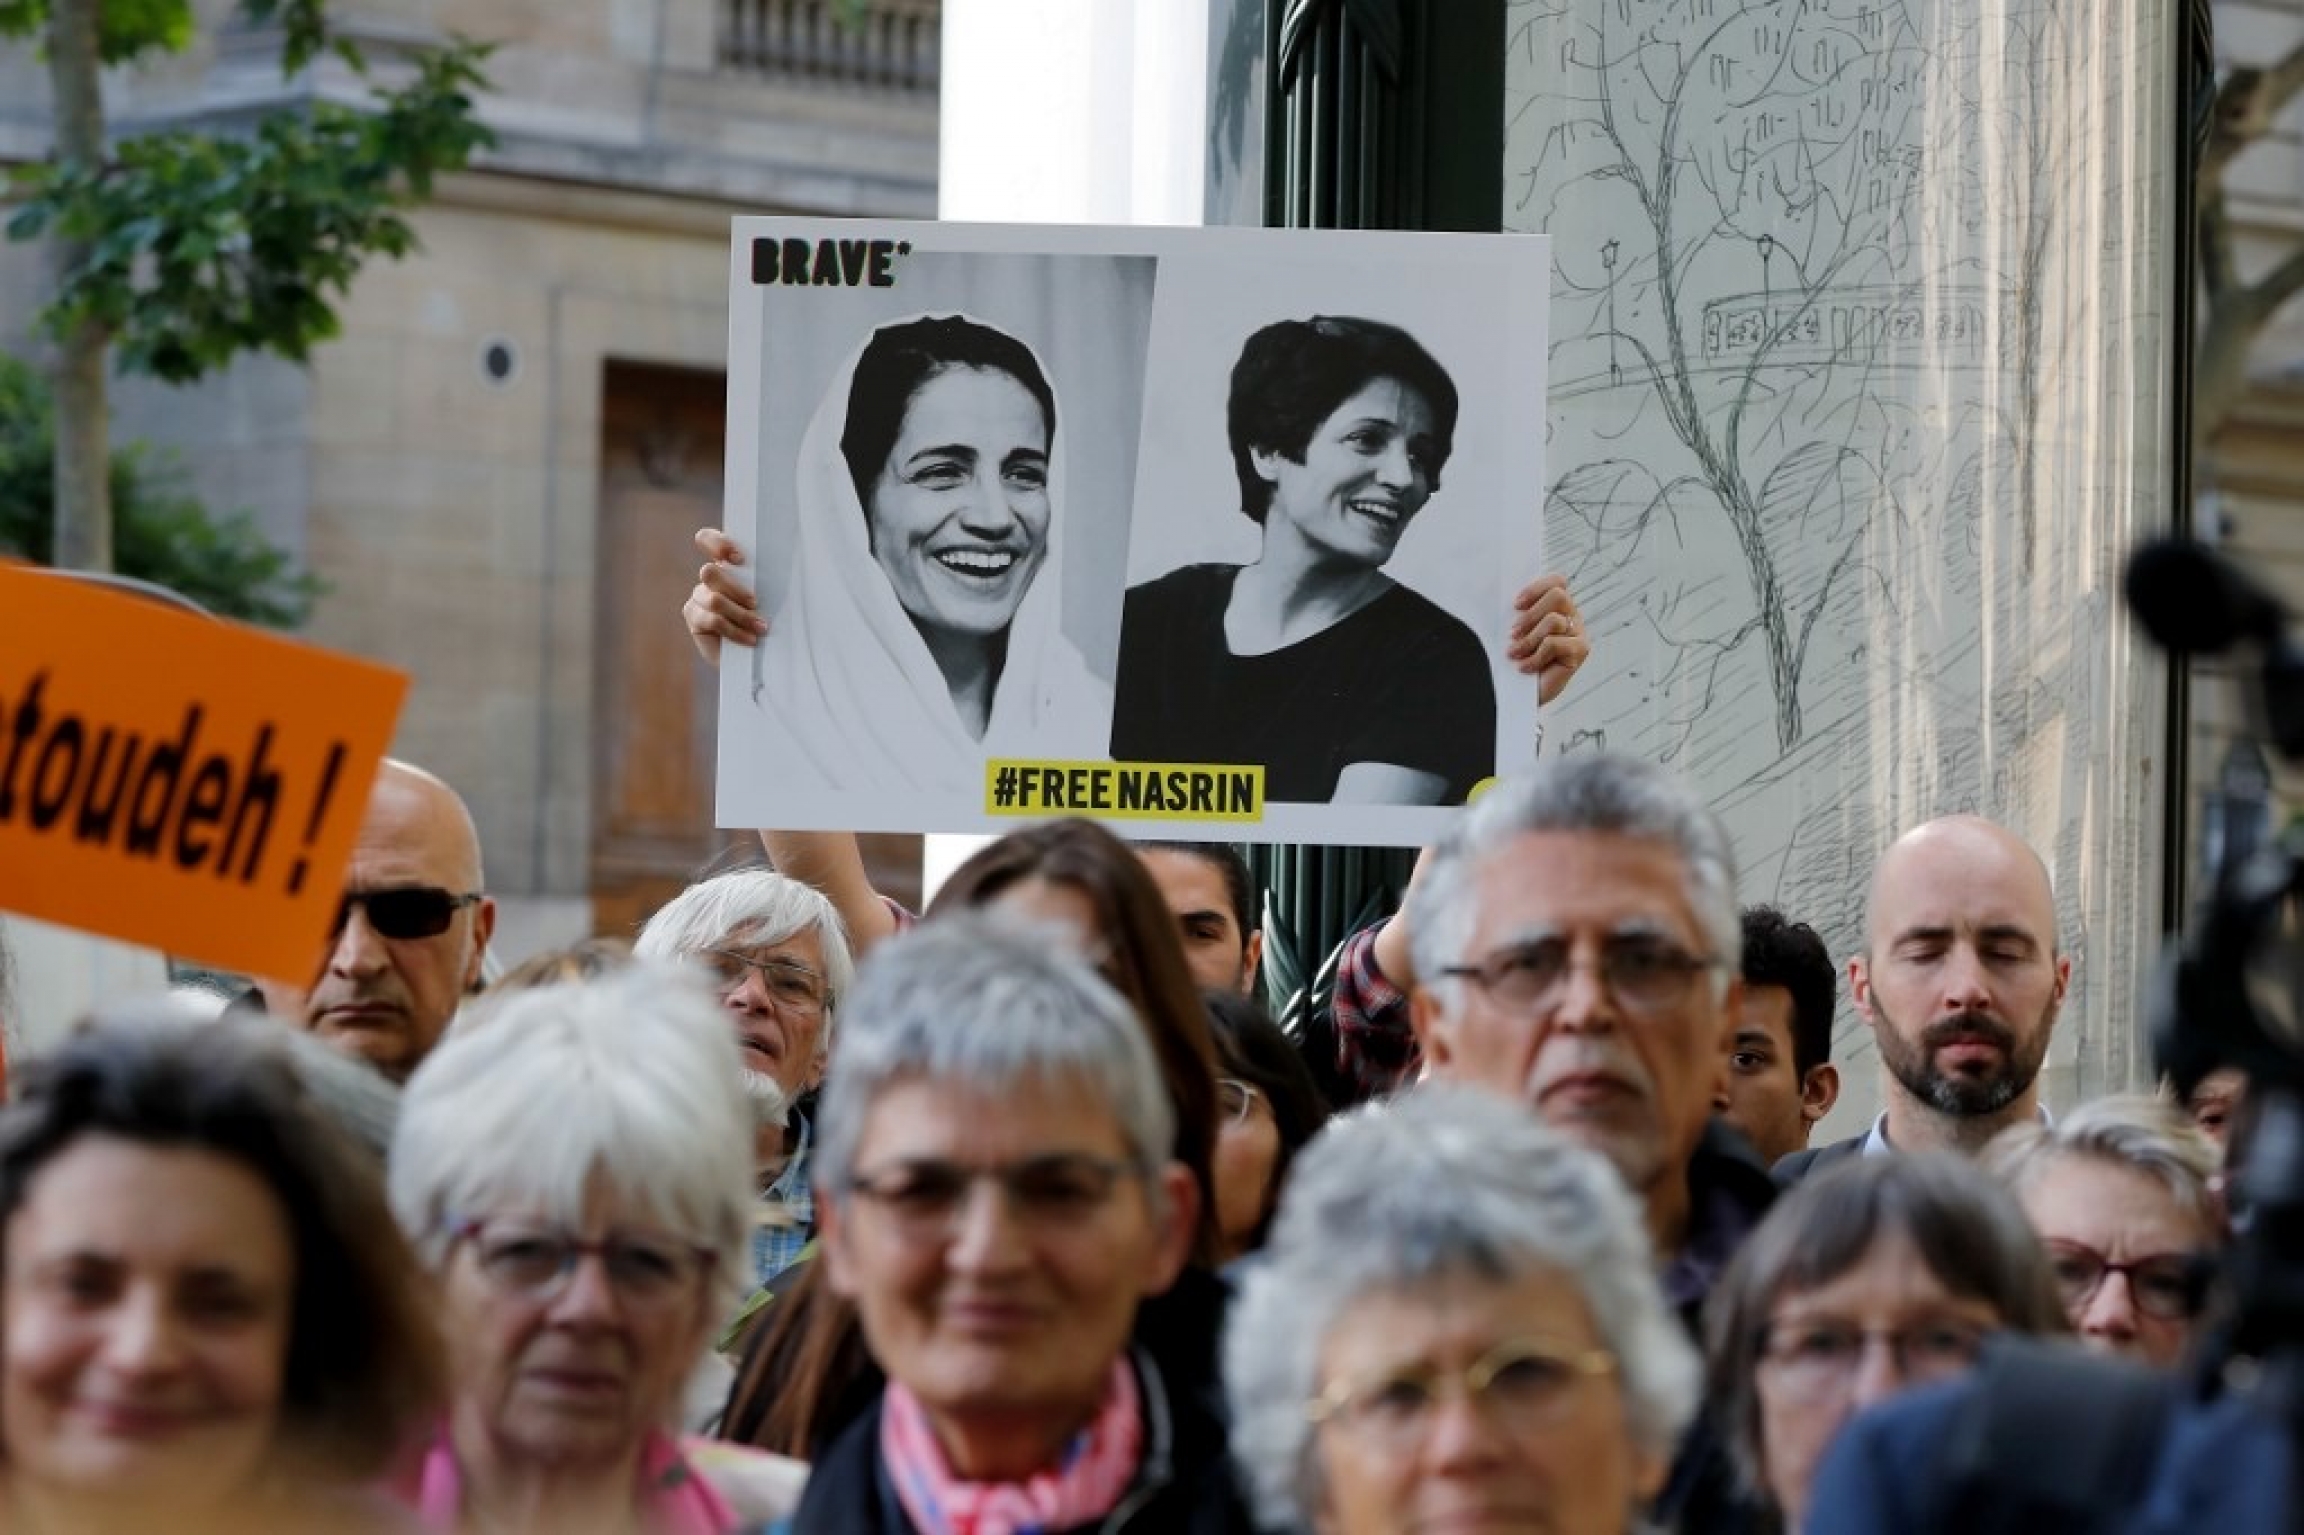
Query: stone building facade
(498, 464)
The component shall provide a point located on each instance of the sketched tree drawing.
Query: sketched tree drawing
(1785, 179)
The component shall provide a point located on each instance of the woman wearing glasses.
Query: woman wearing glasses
(1883, 1273)
(1456, 1322)
(2119, 1190)
(574, 1165)
(1270, 1109)
(998, 1195)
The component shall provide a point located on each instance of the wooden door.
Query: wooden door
(654, 704)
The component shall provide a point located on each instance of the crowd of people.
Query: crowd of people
(800, 1211)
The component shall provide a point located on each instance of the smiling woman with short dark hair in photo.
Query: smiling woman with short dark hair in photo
(1310, 660)
(920, 630)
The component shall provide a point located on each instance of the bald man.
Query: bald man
(410, 933)
(1961, 980)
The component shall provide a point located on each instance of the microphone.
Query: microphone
(2193, 602)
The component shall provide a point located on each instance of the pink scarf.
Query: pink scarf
(1086, 1483)
(671, 1499)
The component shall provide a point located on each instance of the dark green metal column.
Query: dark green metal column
(1378, 114)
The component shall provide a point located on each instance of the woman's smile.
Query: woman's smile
(959, 516)
(1366, 471)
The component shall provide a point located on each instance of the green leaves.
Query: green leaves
(162, 531)
(199, 247)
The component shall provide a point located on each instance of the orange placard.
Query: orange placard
(177, 781)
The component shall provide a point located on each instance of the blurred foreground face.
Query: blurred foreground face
(996, 1246)
(148, 1297)
(1882, 1325)
(570, 1344)
(1469, 1403)
(2122, 1248)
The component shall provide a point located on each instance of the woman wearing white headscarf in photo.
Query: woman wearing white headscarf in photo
(920, 629)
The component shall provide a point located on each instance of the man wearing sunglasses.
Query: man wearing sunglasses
(1576, 944)
(411, 931)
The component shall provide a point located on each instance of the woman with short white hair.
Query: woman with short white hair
(1000, 1194)
(574, 1165)
(1457, 1312)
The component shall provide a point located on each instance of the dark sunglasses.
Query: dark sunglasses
(416, 911)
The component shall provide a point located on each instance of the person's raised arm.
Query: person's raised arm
(721, 608)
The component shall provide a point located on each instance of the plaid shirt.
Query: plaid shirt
(786, 1216)
(1375, 1047)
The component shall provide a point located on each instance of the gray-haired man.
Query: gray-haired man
(1576, 942)
(780, 964)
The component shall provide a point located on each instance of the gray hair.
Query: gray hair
(985, 1000)
(2146, 1135)
(1443, 1181)
(631, 1079)
(357, 1098)
(1591, 792)
(752, 906)
(1969, 1234)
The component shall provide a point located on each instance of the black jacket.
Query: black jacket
(1183, 1487)
(1793, 1167)
(1729, 1192)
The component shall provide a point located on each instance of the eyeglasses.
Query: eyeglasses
(925, 1198)
(2169, 1286)
(1237, 1097)
(407, 911)
(791, 986)
(1645, 975)
(1521, 1384)
(1821, 1358)
(535, 1261)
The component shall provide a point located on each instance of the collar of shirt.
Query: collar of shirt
(1876, 1143)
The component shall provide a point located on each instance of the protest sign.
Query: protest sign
(178, 781)
(1198, 532)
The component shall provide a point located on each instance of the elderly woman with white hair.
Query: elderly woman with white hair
(1457, 1319)
(2120, 1191)
(777, 957)
(1000, 1193)
(573, 1163)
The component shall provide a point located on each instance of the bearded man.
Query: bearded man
(1961, 980)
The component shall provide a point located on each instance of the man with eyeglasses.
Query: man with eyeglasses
(411, 931)
(1576, 943)
(778, 959)
(1961, 980)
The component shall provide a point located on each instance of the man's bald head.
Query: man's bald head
(392, 980)
(1979, 854)
(1961, 976)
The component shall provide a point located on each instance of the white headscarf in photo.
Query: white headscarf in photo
(849, 687)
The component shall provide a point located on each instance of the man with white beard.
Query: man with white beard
(779, 962)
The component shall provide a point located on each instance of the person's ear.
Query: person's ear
(1860, 987)
(1819, 1090)
(1267, 462)
(483, 929)
(1251, 956)
(1176, 1208)
(2063, 978)
(832, 1248)
(1428, 1021)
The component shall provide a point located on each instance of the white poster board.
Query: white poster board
(986, 480)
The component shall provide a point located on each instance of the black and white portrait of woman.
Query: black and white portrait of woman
(921, 628)
(1346, 684)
